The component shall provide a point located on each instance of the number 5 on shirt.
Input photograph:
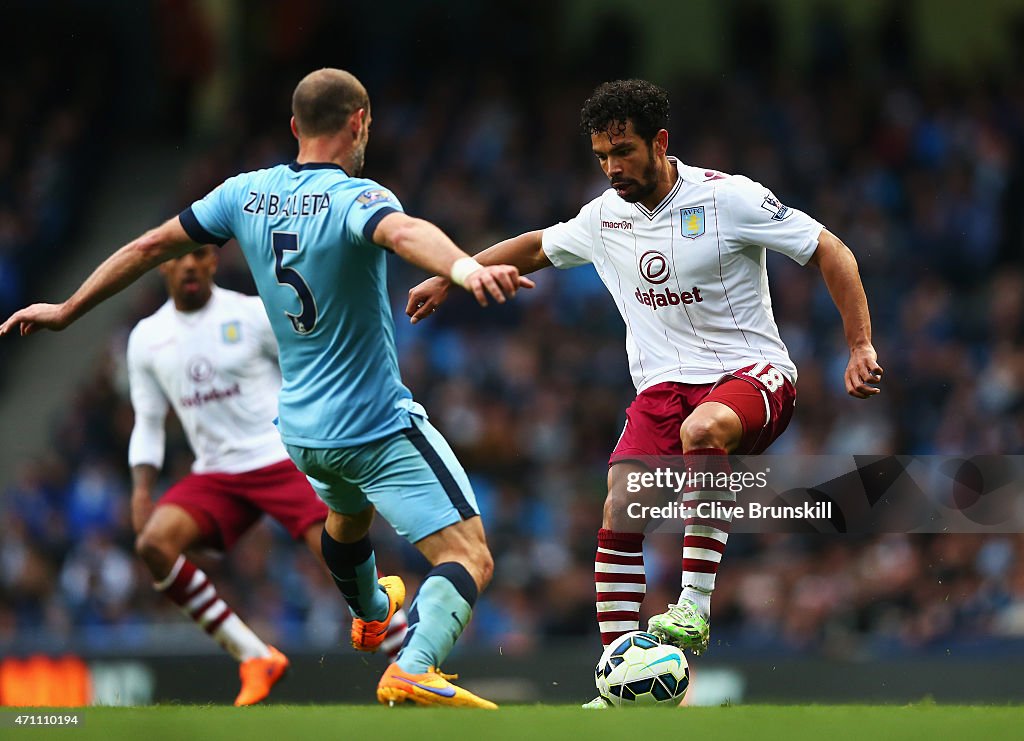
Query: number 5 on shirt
(304, 322)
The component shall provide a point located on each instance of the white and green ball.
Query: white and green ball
(638, 669)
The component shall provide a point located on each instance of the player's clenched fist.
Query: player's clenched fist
(863, 373)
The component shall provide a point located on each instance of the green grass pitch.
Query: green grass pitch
(535, 722)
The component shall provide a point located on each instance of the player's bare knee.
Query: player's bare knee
(146, 545)
(607, 513)
(615, 515)
(475, 558)
(156, 550)
(480, 566)
(702, 433)
(348, 528)
(484, 567)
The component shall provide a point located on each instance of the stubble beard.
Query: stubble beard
(358, 159)
(643, 188)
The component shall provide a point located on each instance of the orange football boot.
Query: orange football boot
(260, 675)
(430, 688)
(367, 635)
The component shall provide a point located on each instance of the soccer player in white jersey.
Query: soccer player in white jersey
(681, 249)
(210, 354)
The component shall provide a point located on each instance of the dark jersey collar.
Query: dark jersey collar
(315, 166)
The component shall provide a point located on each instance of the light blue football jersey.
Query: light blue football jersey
(306, 232)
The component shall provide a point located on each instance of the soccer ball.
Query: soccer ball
(638, 669)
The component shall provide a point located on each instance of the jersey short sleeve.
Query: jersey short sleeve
(373, 203)
(208, 220)
(146, 445)
(569, 244)
(757, 217)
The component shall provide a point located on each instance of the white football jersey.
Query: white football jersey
(218, 368)
(690, 277)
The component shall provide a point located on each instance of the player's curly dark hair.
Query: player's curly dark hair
(643, 102)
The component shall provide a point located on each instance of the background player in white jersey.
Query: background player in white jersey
(211, 355)
(682, 251)
(311, 232)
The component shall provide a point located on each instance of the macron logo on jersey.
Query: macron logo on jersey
(627, 225)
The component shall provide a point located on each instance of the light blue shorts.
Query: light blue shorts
(412, 477)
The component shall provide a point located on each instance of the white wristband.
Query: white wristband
(462, 269)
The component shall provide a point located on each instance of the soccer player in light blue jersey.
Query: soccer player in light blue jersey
(314, 234)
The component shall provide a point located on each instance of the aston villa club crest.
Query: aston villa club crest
(691, 221)
(231, 332)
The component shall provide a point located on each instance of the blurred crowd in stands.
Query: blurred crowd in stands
(921, 173)
(49, 129)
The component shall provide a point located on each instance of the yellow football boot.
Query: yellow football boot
(430, 688)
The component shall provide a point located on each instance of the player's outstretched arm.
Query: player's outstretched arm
(839, 269)
(424, 245)
(117, 272)
(525, 252)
